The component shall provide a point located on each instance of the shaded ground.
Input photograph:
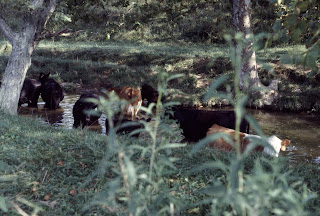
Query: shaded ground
(81, 66)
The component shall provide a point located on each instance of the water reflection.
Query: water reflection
(302, 129)
(61, 117)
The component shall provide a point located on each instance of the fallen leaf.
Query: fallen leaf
(83, 165)
(73, 192)
(194, 210)
(47, 197)
(109, 208)
(50, 204)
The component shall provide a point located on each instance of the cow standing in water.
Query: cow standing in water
(149, 93)
(195, 123)
(30, 93)
(133, 97)
(82, 111)
(51, 92)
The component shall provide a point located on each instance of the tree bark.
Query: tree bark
(14, 75)
(249, 78)
(23, 45)
(242, 23)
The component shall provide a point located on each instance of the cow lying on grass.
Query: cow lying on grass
(245, 139)
(195, 123)
(133, 96)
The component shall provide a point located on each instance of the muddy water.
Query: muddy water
(302, 129)
(61, 117)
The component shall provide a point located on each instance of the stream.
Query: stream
(302, 129)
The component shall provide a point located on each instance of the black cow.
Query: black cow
(149, 93)
(30, 93)
(122, 129)
(195, 123)
(81, 111)
(51, 91)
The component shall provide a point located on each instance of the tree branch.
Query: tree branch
(7, 31)
(49, 11)
(64, 32)
(43, 17)
(35, 4)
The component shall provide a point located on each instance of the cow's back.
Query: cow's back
(195, 123)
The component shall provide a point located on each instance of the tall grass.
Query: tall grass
(69, 172)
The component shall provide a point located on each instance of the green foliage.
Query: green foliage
(199, 184)
(140, 168)
(265, 193)
(71, 172)
(93, 65)
(298, 21)
(195, 21)
(78, 172)
(3, 205)
(267, 189)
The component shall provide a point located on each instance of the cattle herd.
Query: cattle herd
(195, 124)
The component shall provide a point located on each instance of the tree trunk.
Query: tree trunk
(248, 73)
(23, 45)
(242, 23)
(15, 73)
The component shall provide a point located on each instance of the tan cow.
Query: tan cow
(133, 96)
(245, 140)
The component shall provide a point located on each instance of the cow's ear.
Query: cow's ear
(41, 75)
(285, 142)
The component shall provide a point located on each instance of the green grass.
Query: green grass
(76, 172)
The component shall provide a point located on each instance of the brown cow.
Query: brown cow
(245, 140)
(133, 96)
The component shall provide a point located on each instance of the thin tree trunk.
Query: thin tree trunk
(242, 23)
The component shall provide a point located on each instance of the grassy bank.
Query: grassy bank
(93, 65)
(77, 172)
